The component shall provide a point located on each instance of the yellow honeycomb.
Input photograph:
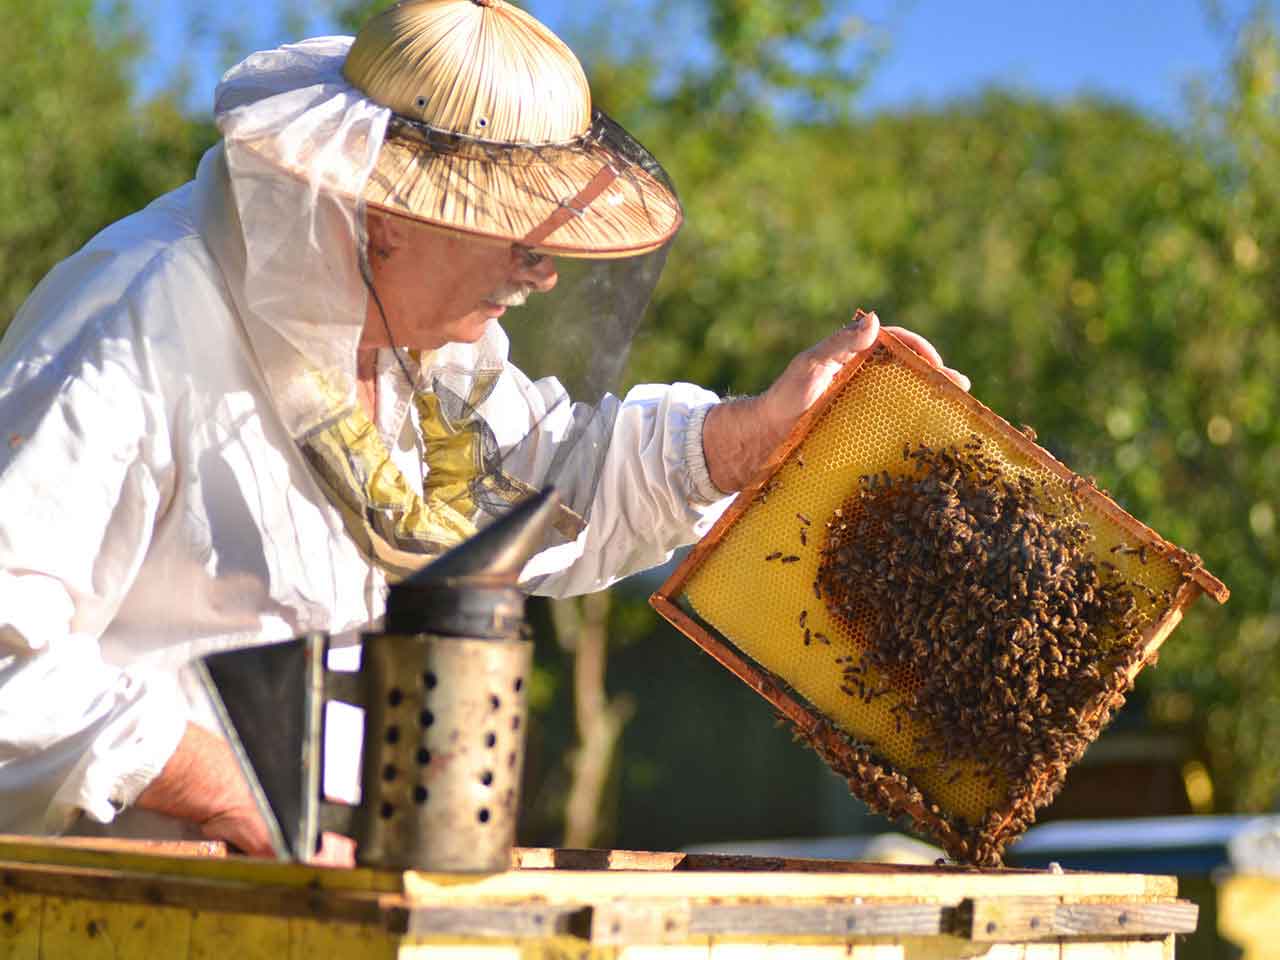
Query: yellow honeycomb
(757, 603)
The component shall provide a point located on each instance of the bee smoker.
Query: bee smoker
(444, 692)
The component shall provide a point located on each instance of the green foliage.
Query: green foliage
(76, 152)
(351, 14)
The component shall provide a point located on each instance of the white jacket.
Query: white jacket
(156, 509)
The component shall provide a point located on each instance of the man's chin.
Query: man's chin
(472, 328)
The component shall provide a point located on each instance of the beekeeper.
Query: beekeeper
(232, 416)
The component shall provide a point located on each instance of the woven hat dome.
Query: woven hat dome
(493, 134)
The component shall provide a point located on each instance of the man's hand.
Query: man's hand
(739, 435)
(202, 784)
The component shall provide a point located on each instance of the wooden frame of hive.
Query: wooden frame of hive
(861, 760)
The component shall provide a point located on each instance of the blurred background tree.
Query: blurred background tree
(1103, 274)
(77, 149)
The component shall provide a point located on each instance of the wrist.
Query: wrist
(737, 437)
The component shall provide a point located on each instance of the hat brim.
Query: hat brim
(580, 200)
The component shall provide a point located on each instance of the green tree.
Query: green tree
(77, 151)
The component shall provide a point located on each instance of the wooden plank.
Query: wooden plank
(1007, 919)
(590, 887)
(517, 921)
(818, 920)
(20, 926)
(551, 858)
(193, 893)
(621, 922)
(554, 858)
(159, 848)
(1125, 919)
(40, 850)
(1014, 919)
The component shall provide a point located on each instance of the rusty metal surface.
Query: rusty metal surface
(443, 750)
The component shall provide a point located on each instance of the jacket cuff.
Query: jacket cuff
(703, 490)
(128, 752)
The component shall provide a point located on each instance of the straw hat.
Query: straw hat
(493, 134)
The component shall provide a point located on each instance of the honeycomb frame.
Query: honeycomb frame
(852, 738)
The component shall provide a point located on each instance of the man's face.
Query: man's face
(440, 287)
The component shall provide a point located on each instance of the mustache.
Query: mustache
(510, 295)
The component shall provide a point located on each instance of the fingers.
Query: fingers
(918, 343)
(927, 350)
(847, 342)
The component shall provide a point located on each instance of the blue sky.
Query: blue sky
(1139, 51)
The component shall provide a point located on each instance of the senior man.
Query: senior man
(233, 416)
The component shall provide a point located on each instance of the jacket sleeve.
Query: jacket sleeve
(654, 493)
(84, 474)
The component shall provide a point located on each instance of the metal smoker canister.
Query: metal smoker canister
(445, 696)
(443, 751)
(444, 692)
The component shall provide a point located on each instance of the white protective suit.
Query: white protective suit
(158, 508)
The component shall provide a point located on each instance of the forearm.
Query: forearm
(737, 438)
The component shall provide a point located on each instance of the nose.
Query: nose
(536, 270)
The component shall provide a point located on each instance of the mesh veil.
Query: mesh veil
(532, 402)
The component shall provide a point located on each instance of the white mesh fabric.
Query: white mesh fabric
(300, 232)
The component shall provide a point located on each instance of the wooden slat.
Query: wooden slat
(157, 848)
(517, 921)
(195, 893)
(947, 887)
(132, 856)
(1125, 920)
(551, 858)
(1006, 919)
(1015, 919)
(819, 920)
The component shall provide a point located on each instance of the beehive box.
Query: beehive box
(748, 594)
(131, 901)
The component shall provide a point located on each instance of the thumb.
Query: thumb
(843, 345)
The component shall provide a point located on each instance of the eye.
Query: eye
(530, 257)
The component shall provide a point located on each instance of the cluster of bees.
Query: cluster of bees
(1016, 642)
